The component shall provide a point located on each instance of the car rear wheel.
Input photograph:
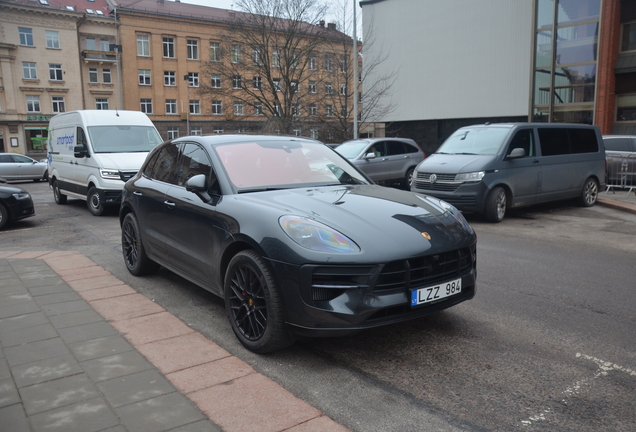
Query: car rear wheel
(253, 304)
(94, 202)
(590, 193)
(135, 258)
(4, 216)
(495, 205)
(60, 198)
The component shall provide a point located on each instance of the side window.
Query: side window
(554, 141)
(378, 148)
(618, 144)
(163, 169)
(194, 161)
(411, 149)
(5, 158)
(22, 159)
(81, 137)
(583, 140)
(395, 148)
(523, 139)
(150, 165)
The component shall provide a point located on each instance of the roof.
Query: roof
(96, 7)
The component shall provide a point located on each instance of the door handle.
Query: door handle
(169, 204)
(137, 193)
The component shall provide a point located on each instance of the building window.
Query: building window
(294, 86)
(343, 65)
(297, 132)
(169, 78)
(29, 71)
(143, 45)
(258, 83)
(236, 82)
(146, 106)
(313, 133)
(195, 106)
(57, 102)
(193, 79)
(313, 110)
(104, 45)
(312, 62)
(171, 106)
(258, 109)
(144, 76)
(296, 110)
(256, 56)
(343, 89)
(236, 53)
(312, 86)
(55, 72)
(218, 131)
(198, 130)
(52, 39)
(106, 76)
(328, 88)
(329, 63)
(26, 36)
(276, 58)
(217, 107)
(193, 49)
(216, 80)
(173, 132)
(238, 108)
(295, 62)
(33, 103)
(101, 103)
(91, 44)
(215, 51)
(628, 42)
(168, 47)
(626, 107)
(329, 110)
(276, 82)
(92, 75)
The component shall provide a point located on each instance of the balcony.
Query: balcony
(99, 56)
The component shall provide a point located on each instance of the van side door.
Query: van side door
(522, 174)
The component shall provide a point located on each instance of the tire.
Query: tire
(94, 202)
(135, 258)
(4, 216)
(60, 198)
(408, 178)
(496, 204)
(590, 193)
(253, 304)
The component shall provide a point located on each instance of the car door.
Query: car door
(8, 167)
(27, 168)
(522, 174)
(378, 167)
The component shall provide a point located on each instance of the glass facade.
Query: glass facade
(565, 56)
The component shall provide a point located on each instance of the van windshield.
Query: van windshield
(478, 141)
(123, 139)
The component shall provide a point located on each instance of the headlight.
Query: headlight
(22, 195)
(110, 174)
(316, 236)
(470, 177)
(458, 215)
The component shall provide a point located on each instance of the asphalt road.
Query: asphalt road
(548, 343)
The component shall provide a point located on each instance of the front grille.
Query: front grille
(126, 175)
(327, 283)
(442, 183)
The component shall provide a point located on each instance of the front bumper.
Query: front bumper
(466, 197)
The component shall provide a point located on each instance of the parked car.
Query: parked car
(15, 204)
(20, 167)
(620, 153)
(294, 238)
(491, 167)
(385, 160)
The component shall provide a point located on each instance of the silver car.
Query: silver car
(385, 160)
(620, 152)
(20, 167)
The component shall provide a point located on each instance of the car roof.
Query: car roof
(215, 139)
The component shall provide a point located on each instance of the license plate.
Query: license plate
(435, 292)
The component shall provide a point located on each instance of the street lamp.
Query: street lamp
(186, 77)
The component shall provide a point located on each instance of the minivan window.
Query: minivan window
(523, 139)
(560, 141)
(481, 141)
(123, 139)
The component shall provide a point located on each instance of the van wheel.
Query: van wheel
(60, 198)
(495, 205)
(590, 193)
(94, 202)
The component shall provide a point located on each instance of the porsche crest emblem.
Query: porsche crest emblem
(426, 235)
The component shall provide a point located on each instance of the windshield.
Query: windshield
(284, 164)
(123, 139)
(481, 141)
(351, 149)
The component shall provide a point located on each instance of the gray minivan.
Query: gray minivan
(489, 168)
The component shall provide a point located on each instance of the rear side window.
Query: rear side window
(395, 148)
(583, 140)
(618, 144)
(560, 141)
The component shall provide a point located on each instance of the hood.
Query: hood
(381, 221)
(121, 161)
(455, 163)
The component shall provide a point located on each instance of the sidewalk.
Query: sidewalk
(80, 351)
(620, 199)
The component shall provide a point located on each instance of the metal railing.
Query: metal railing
(621, 171)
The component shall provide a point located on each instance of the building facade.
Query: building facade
(500, 61)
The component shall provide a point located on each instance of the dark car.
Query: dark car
(294, 238)
(15, 204)
(385, 160)
(20, 167)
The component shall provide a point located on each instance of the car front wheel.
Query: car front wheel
(135, 258)
(4, 216)
(590, 193)
(496, 203)
(253, 304)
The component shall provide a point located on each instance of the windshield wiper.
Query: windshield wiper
(263, 189)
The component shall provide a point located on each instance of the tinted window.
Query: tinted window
(395, 148)
(523, 139)
(618, 144)
(194, 161)
(554, 141)
(151, 163)
(583, 140)
(378, 148)
(411, 149)
(163, 168)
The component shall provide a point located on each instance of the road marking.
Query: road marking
(604, 367)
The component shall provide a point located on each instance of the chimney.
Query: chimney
(322, 23)
(331, 26)
(160, 2)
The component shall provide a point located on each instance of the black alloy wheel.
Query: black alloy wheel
(253, 304)
(137, 262)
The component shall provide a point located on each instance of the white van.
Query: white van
(92, 153)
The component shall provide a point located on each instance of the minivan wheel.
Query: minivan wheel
(60, 198)
(135, 258)
(253, 304)
(590, 193)
(495, 205)
(94, 202)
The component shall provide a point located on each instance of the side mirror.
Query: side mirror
(369, 156)
(196, 183)
(517, 153)
(80, 151)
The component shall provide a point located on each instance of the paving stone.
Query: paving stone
(83, 273)
(5, 372)
(88, 416)
(49, 299)
(18, 309)
(114, 366)
(11, 285)
(320, 424)
(95, 283)
(13, 419)
(135, 388)
(51, 286)
(27, 335)
(35, 351)
(75, 318)
(72, 262)
(66, 307)
(209, 374)
(86, 332)
(159, 414)
(22, 321)
(200, 426)
(8, 393)
(57, 393)
(125, 307)
(151, 328)
(101, 347)
(45, 370)
(16, 297)
(108, 292)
